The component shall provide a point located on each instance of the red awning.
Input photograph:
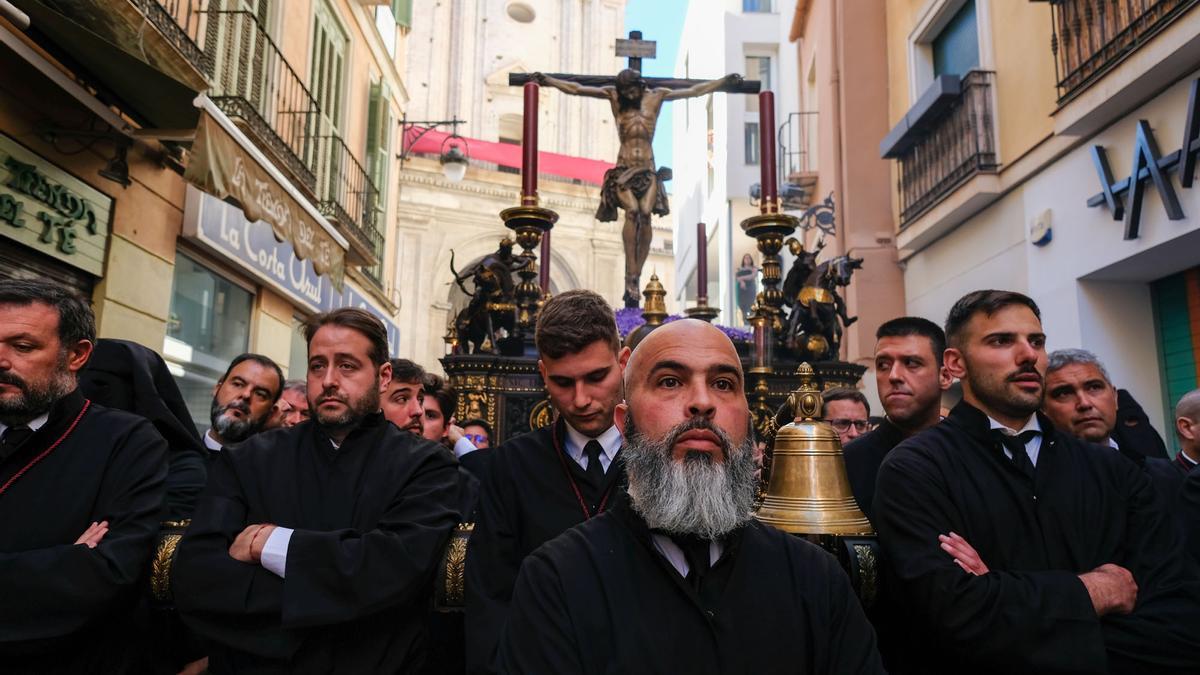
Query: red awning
(507, 154)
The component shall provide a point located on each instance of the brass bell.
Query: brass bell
(808, 492)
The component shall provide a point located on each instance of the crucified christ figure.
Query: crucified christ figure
(635, 184)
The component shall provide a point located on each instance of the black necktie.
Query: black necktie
(13, 438)
(1016, 445)
(595, 470)
(695, 551)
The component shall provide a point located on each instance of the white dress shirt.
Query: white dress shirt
(1033, 447)
(34, 424)
(463, 446)
(1113, 444)
(210, 442)
(610, 443)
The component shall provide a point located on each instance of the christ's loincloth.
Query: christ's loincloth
(636, 181)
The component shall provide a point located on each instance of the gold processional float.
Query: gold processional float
(792, 356)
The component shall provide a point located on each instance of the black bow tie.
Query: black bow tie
(695, 551)
(1015, 444)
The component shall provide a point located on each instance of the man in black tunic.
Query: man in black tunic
(313, 548)
(1078, 566)
(81, 494)
(1082, 401)
(680, 578)
(548, 480)
(910, 380)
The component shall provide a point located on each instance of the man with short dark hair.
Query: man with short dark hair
(1187, 429)
(910, 380)
(81, 493)
(243, 400)
(553, 478)
(479, 432)
(440, 401)
(680, 578)
(1018, 547)
(292, 406)
(403, 397)
(848, 411)
(313, 548)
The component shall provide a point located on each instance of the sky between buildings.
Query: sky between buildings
(661, 21)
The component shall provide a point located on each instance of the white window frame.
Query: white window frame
(931, 21)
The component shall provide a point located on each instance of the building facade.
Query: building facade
(454, 74)
(230, 166)
(1012, 169)
(830, 147)
(716, 143)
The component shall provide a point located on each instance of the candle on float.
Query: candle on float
(544, 270)
(760, 340)
(529, 145)
(701, 261)
(766, 155)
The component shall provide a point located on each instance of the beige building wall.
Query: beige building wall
(844, 71)
(133, 299)
(461, 53)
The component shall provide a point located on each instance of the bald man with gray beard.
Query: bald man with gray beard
(691, 583)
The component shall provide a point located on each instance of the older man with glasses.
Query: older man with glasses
(848, 412)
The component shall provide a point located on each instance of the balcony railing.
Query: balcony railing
(958, 144)
(1092, 36)
(346, 193)
(797, 140)
(254, 84)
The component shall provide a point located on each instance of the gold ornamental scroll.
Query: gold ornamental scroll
(222, 167)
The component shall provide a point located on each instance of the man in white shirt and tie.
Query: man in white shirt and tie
(551, 479)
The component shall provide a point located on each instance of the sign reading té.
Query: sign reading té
(48, 209)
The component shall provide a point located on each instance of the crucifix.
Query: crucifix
(635, 184)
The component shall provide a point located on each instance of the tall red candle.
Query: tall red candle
(701, 261)
(766, 155)
(529, 145)
(544, 270)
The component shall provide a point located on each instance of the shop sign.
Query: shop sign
(1150, 164)
(50, 210)
(251, 245)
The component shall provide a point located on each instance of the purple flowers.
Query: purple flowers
(629, 318)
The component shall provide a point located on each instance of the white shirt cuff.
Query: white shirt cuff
(274, 553)
(462, 446)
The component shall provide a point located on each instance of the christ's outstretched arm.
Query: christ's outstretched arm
(573, 88)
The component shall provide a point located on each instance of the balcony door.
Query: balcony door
(327, 81)
(240, 52)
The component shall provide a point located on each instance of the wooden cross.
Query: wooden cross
(635, 49)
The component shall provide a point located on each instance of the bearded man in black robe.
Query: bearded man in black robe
(551, 479)
(1018, 547)
(313, 548)
(81, 495)
(680, 578)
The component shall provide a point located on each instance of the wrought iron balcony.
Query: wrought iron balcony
(1092, 36)
(254, 84)
(346, 193)
(798, 137)
(951, 142)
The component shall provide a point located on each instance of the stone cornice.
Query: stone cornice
(512, 195)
